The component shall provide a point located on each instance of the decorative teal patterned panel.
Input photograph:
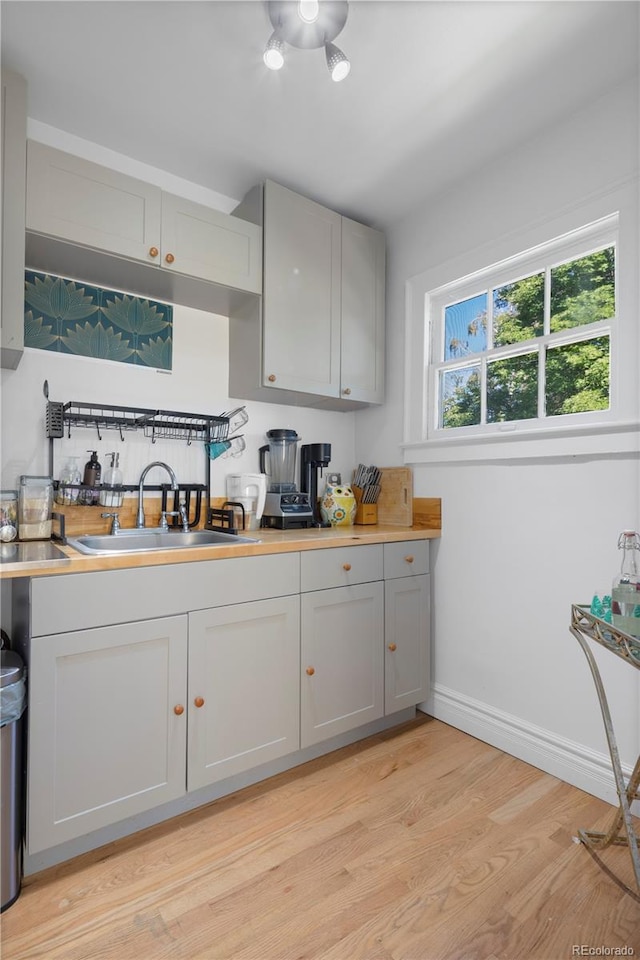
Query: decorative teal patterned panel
(65, 316)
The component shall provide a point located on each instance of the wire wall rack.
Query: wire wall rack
(155, 424)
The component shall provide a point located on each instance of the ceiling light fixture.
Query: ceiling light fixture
(308, 25)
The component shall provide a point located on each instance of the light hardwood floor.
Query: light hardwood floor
(418, 844)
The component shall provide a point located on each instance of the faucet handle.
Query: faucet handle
(168, 513)
(115, 525)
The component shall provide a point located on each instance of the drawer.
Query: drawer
(406, 559)
(340, 567)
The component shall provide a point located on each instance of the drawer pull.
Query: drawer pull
(199, 701)
(153, 252)
(271, 378)
(169, 258)
(409, 559)
(178, 709)
(311, 671)
(346, 566)
(392, 647)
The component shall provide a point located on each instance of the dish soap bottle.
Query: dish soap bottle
(91, 478)
(625, 594)
(112, 478)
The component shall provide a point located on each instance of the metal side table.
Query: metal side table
(585, 627)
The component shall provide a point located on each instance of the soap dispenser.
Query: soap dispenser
(112, 478)
(91, 478)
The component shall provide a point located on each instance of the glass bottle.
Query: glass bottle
(69, 482)
(625, 593)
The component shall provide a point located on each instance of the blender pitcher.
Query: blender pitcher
(281, 466)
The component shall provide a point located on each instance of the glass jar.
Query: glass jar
(8, 515)
(69, 482)
(34, 507)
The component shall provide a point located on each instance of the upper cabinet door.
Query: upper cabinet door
(301, 333)
(14, 145)
(205, 243)
(363, 312)
(88, 204)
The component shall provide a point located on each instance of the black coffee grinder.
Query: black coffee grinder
(313, 457)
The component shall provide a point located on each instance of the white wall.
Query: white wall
(198, 382)
(521, 541)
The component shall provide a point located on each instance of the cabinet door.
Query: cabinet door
(406, 616)
(363, 312)
(342, 660)
(244, 687)
(301, 333)
(107, 726)
(91, 205)
(14, 146)
(211, 245)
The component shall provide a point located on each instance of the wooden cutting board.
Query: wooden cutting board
(395, 503)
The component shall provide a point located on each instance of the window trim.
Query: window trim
(598, 432)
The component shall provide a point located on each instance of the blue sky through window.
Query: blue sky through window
(465, 327)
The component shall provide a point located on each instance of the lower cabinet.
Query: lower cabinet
(244, 689)
(249, 661)
(107, 726)
(406, 639)
(342, 660)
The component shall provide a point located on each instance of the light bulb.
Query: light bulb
(308, 10)
(337, 62)
(273, 55)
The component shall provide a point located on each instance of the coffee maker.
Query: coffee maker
(314, 457)
(285, 506)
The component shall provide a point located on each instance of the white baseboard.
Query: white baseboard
(569, 761)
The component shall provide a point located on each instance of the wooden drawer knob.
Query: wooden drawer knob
(271, 378)
(169, 258)
(178, 709)
(347, 391)
(392, 647)
(346, 566)
(199, 702)
(153, 252)
(311, 671)
(409, 559)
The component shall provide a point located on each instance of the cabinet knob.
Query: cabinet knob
(311, 671)
(169, 258)
(347, 391)
(153, 252)
(178, 709)
(199, 701)
(271, 378)
(392, 647)
(346, 566)
(409, 559)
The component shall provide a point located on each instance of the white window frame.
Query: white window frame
(609, 431)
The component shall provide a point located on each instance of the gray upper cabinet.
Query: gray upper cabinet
(318, 339)
(118, 230)
(14, 142)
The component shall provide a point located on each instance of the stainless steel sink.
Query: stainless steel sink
(153, 538)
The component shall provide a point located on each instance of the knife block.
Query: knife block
(366, 513)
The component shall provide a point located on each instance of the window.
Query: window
(527, 343)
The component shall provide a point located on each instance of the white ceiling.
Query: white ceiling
(437, 88)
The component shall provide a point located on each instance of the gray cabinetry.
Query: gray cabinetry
(107, 726)
(406, 624)
(318, 337)
(14, 145)
(110, 228)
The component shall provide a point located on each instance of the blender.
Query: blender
(285, 506)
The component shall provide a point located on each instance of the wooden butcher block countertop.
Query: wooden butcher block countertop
(271, 542)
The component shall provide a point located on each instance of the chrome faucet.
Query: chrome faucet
(174, 485)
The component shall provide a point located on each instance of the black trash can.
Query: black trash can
(12, 705)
